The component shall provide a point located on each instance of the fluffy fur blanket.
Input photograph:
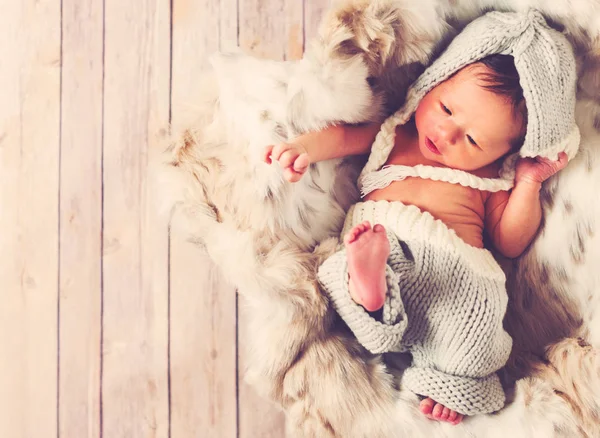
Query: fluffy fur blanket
(269, 236)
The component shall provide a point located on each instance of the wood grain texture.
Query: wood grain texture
(29, 163)
(135, 268)
(257, 417)
(271, 28)
(313, 13)
(294, 29)
(228, 24)
(80, 219)
(203, 347)
(203, 306)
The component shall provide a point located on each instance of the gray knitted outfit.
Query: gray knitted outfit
(446, 299)
(445, 304)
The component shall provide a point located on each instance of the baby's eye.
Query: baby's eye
(473, 142)
(446, 109)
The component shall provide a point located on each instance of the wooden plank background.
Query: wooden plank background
(108, 326)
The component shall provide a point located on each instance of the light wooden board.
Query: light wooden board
(29, 162)
(135, 389)
(80, 219)
(203, 306)
(272, 28)
(313, 13)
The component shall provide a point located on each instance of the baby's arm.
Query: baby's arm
(335, 141)
(512, 220)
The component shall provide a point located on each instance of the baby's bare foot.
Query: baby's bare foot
(368, 250)
(439, 412)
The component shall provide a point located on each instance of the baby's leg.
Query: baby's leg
(437, 411)
(368, 250)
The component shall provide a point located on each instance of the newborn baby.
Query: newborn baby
(415, 246)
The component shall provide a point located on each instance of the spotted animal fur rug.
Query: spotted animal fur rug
(269, 236)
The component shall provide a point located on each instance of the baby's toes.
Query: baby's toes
(361, 228)
(348, 238)
(358, 230)
(366, 225)
(445, 412)
(378, 228)
(352, 235)
(437, 410)
(457, 420)
(426, 406)
(452, 416)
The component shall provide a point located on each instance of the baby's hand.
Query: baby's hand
(293, 158)
(537, 170)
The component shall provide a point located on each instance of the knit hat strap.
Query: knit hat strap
(382, 178)
(383, 144)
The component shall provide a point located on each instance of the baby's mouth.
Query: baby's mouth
(431, 146)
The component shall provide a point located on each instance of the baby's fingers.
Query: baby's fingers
(562, 161)
(267, 154)
(294, 173)
(301, 163)
(291, 175)
(288, 158)
(278, 150)
(555, 165)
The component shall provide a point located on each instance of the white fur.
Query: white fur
(578, 186)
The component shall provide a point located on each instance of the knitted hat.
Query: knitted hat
(545, 63)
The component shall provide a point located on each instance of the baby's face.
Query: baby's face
(464, 126)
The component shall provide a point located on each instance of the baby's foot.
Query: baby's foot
(439, 412)
(368, 250)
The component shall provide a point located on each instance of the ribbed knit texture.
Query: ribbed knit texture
(445, 304)
(546, 65)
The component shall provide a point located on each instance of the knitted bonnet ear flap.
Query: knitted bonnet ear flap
(546, 65)
(547, 71)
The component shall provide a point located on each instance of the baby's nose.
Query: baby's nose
(448, 132)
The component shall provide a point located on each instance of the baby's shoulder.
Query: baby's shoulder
(495, 202)
(492, 170)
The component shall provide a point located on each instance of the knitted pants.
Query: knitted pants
(445, 304)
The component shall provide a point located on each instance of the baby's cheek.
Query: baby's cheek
(423, 120)
(463, 160)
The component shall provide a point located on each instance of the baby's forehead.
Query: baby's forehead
(492, 112)
(470, 72)
(475, 82)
